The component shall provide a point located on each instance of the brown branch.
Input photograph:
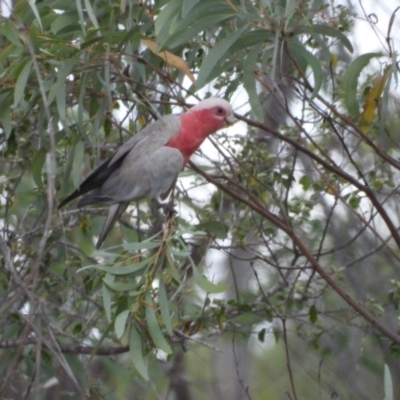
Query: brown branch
(67, 349)
(281, 224)
(335, 169)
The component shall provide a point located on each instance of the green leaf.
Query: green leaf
(37, 165)
(145, 245)
(327, 31)
(154, 328)
(219, 229)
(313, 314)
(107, 301)
(395, 350)
(306, 182)
(91, 14)
(65, 20)
(122, 286)
(187, 6)
(78, 162)
(185, 35)
(261, 335)
(301, 54)
(257, 36)
(164, 19)
(215, 55)
(197, 20)
(120, 323)
(276, 336)
(5, 117)
(349, 82)
(247, 318)
(205, 284)
(136, 353)
(163, 302)
(388, 384)
(354, 201)
(21, 83)
(7, 29)
(124, 270)
(61, 102)
(36, 12)
(65, 70)
(249, 82)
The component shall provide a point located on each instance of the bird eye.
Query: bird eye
(220, 111)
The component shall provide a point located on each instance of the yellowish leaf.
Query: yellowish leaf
(171, 59)
(372, 100)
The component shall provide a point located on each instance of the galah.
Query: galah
(148, 164)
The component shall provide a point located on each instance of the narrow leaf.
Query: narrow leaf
(35, 12)
(145, 245)
(249, 82)
(125, 270)
(327, 31)
(136, 353)
(216, 54)
(5, 116)
(372, 101)
(37, 165)
(21, 83)
(187, 6)
(349, 82)
(219, 229)
(171, 59)
(388, 384)
(154, 327)
(164, 19)
(77, 165)
(122, 286)
(120, 323)
(107, 301)
(163, 302)
(91, 14)
(205, 284)
(61, 101)
(300, 52)
(313, 314)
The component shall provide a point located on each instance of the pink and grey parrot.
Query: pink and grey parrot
(148, 164)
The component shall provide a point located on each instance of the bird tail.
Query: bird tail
(115, 212)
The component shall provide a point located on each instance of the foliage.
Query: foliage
(306, 205)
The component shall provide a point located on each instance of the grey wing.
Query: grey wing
(136, 149)
(150, 176)
(158, 132)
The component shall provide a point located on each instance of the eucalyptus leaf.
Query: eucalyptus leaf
(349, 83)
(187, 6)
(122, 286)
(219, 229)
(22, 80)
(164, 305)
(124, 270)
(107, 301)
(37, 164)
(120, 323)
(215, 55)
(299, 51)
(78, 163)
(136, 353)
(327, 31)
(249, 82)
(154, 327)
